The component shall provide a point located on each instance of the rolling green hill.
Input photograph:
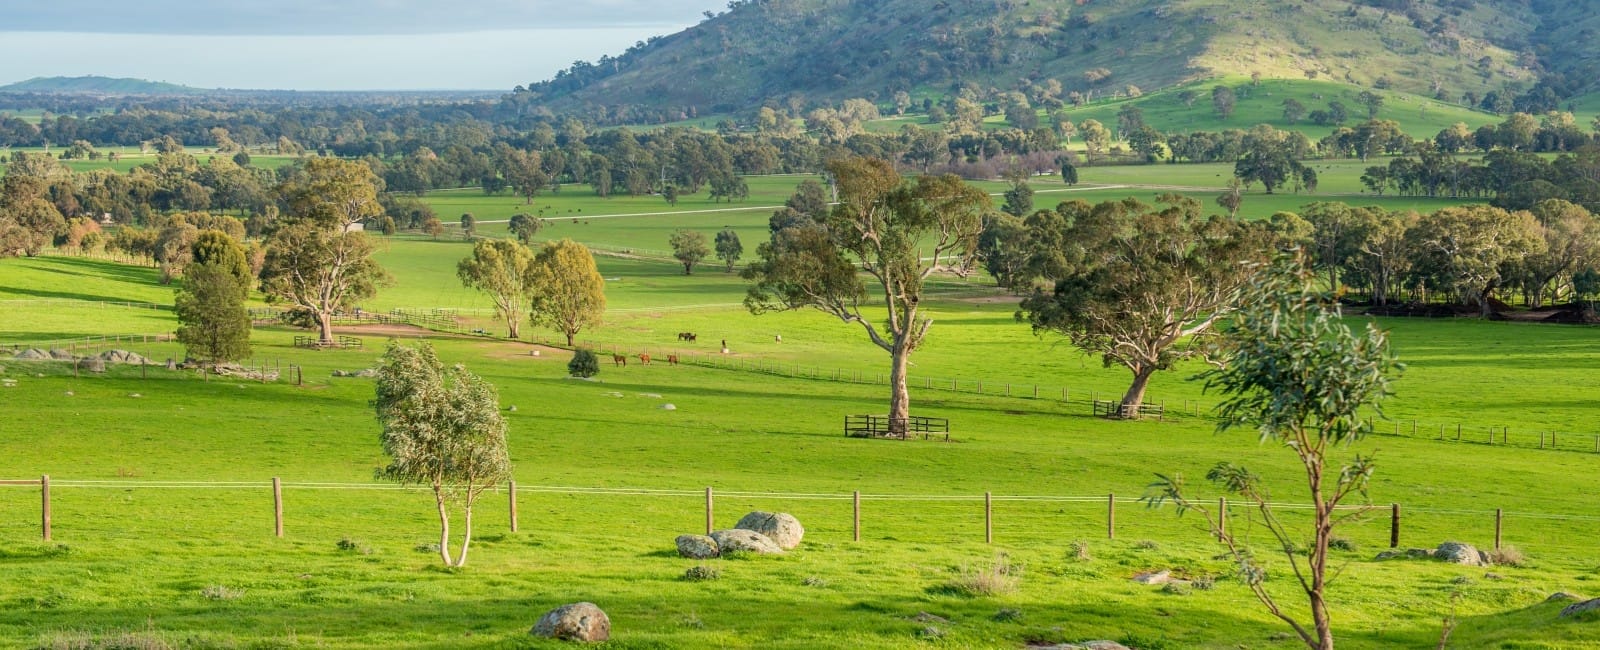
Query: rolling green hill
(93, 85)
(798, 52)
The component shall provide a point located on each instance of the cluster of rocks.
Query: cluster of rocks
(761, 533)
(39, 354)
(1452, 552)
(94, 363)
(369, 372)
(245, 372)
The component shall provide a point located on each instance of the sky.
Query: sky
(328, 44)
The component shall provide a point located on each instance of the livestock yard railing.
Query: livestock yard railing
(280, 508)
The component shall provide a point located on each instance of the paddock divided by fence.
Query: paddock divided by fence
(1497, 434)
(84, 510)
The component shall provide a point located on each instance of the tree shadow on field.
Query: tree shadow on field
(63, 295)
(83, 266)
(353, 614)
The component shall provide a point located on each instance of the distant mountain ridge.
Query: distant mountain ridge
(97, 85)
(798, 52)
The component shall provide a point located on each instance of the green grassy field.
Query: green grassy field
(148, 556)
(130, 157)
(1420, 117)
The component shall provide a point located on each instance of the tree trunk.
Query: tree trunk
(466, 534)
(1135, 395)
(444, 527)
(688, 269)
(569, 339)
(899, 395)
(325, 326)
(1319, 563)
(514, 326)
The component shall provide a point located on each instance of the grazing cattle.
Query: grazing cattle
(619, 360)
(644, 359)
(686, 336)
(672, 359)
(777, 338)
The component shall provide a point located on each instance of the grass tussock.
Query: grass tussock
(1510, 556)
(998, 578)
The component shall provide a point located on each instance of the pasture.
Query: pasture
(164, 513)
(176, 543)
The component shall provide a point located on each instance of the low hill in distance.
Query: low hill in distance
(96, 85)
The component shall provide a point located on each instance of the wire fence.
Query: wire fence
(1496, 435)
(68, 510)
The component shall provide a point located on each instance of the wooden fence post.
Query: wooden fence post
(44, 505)
(855, 498)
(1394, 525)
(709, 518)
(988, 518)
(277, 507)
(1499, 518)
(1222, 518)
(511, 489)
(1111, 516)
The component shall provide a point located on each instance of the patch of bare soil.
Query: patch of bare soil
(387, 329)
(508, 350)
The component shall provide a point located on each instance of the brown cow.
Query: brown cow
(619, 360)
(672, 359)
(644, 359)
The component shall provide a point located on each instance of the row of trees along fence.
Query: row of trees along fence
(833, 516)
(1490, 434)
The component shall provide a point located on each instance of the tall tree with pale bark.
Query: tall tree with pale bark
(499, 268)
(1132, 282)
(896, 232)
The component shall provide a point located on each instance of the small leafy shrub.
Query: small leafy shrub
(930, 633)
(815, 581)
(221, 592)
(1007, 615)
(702, 573)
(1146, 545)
(1204, 583)
(583, 364)
(1341, 544)
(1508, 556)
(354, 545)
(1175, 589)
(999, 578)
(1461, 580)
(1080, 550)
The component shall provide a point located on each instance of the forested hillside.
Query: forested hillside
(800, 52)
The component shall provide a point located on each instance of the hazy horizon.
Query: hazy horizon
(317, 46)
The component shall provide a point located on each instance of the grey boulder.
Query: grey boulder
(746, 541)
(780, 527)
(698, 547)
(583, 622)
